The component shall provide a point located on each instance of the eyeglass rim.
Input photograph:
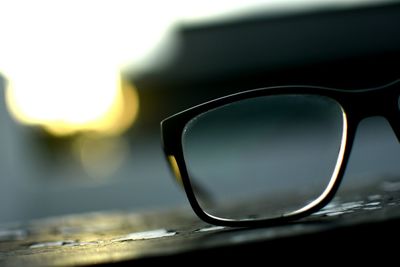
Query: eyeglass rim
(172, 130)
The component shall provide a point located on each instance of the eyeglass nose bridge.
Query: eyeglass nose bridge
(382, 102)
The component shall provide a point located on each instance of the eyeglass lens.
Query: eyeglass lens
(263, 157)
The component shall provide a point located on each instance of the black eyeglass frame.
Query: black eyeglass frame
(356, 105)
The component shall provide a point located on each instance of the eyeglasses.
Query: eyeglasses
(270, 155)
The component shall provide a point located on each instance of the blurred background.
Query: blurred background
(85, 84)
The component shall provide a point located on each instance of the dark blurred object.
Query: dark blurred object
(347, 48)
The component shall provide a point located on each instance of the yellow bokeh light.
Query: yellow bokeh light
(107, 106)
(101, 156)
(63, 59)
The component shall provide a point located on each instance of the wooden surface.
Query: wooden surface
(178, 236)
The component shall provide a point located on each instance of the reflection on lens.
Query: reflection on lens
(263, 157)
